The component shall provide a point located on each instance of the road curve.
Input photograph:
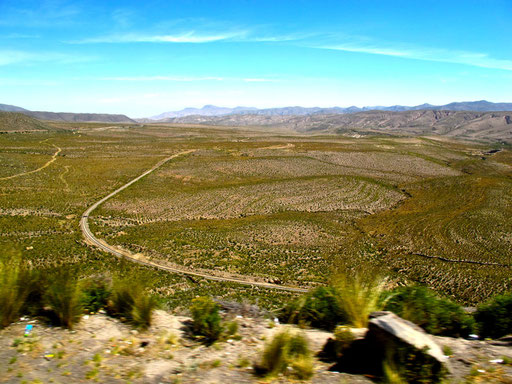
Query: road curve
(101, 244)
(54, 158)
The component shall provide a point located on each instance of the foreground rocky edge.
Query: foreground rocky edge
(103, 349)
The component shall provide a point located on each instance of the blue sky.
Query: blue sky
(144, 58)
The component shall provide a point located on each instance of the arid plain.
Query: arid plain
(262, 207)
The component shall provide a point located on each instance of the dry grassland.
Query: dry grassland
(284, 209)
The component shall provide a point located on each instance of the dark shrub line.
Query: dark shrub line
(61, 298)
(323, 307)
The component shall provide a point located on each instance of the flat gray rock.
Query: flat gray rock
(384, 325)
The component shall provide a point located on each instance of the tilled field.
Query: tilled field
(306, 195)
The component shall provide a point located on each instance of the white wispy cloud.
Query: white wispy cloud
(259, 80)
(162, 78)
(192, 37)
(28, 82)
(9, 57)
(186, 79)
(475, 59)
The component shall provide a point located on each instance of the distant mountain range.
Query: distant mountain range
(487, 126)
(244, 113)
(211, 110)
(207, 110)
(69, 117)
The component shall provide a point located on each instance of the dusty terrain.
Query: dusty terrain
(102, 349)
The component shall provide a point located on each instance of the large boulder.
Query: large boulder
(386, 327)
(397, 344)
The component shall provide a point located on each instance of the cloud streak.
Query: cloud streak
(191, 37)
(10, 57)
(321, 40)
(162, 78)
(474, 59)
(184, 79)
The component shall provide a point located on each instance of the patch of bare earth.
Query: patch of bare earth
(104, 350)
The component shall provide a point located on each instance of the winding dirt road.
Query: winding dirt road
(140, 259)
(54, 157)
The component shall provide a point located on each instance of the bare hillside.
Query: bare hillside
(462, 124)
(18, 122)
(80, 117)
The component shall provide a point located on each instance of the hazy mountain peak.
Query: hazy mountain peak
(212, 110)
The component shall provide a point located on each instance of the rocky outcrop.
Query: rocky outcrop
(394, 342)
(391, 337)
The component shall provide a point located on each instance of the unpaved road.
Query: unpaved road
(101, 244)
(54, 157)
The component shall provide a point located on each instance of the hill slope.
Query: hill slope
(464, 124)
(18, 122)
(11, 108)
(80, 117)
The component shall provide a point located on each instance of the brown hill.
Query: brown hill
(496, 126)
(18, 122)
(79, 117)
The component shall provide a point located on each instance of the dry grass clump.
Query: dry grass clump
(359, 295)
(206, 320)
(287, 353)
(13, 291)
(64, 298)
(130, 303)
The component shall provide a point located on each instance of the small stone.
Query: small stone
(134, 332)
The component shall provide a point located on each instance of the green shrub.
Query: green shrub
(142, 311)
(123, 295)
(318, 308)
(130, 303)
(335, 348)
(96, 291)
(36, 284)
(286, 353)
(405, 364)
(232, 328)
(206, 319)
(21, 289)
(343, 338)
(12, 293)
(494, 318)
(358, 296)
(391, 374)
(436, 315)
(63, 296)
